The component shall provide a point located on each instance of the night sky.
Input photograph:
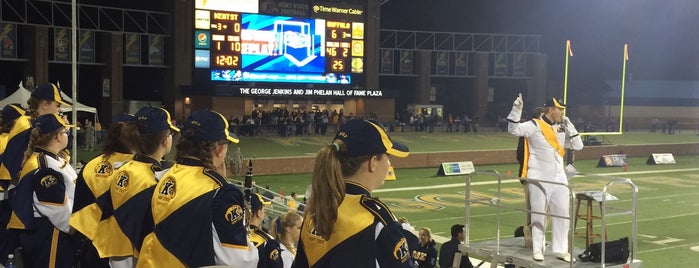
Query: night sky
(662, 34)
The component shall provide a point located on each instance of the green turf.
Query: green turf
(273, 146)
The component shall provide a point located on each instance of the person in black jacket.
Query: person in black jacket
(449, 249)
(425, 255)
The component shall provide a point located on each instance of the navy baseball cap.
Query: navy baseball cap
(123, 118)
(553, 102)
(12, 112)
(209, 125)
(154, 119)
(257, 202)
(48, 91)
(48, 123)
(364, 137)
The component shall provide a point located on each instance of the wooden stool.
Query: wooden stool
(588, 218)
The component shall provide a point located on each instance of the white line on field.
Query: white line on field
(461, 184)
(666, 248)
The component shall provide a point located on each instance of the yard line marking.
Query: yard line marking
(666, 248)
(463, 184)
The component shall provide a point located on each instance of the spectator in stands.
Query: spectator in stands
(291, 202)
(449, 249)
(268, 195)
(450, 123)
(89, 136)
(425, 255)
(287, 229)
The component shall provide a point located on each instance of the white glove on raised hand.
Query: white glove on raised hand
(568, 126)
(565, 121)
(517, 106)
(518, 103)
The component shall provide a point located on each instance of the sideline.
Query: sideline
(516, 180)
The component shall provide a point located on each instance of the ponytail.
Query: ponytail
(36, 139)
(328, 185)
(328, 188)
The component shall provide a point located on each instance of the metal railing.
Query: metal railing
(498, 257)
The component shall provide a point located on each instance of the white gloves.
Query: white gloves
(518, 103)
(565, 121)
(568, 126)
(517, 106)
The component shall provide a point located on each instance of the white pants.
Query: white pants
(556, 198)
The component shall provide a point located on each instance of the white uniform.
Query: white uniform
(546, 164)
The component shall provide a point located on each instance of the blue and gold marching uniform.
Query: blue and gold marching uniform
(268, 248)
(17, 142)
(370, 237)
(93, 181)
(199, 220)
(126, 213)
(41, 207)
(11, 156)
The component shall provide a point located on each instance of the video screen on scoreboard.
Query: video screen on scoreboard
(263, 48)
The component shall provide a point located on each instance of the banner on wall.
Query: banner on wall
(500, 66)
(61, 44)
(132, 48)
(519, 65)
(8, 40)
(155, 50)
(86, 43)
(406, 62)
(460, 63)
(442, 63)
(387, 61)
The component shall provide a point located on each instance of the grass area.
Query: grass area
(273, 146)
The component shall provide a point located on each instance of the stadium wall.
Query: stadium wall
(292, 165)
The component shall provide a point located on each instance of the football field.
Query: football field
(667, 215)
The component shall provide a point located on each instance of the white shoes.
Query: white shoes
(539, 257)
(564, 256)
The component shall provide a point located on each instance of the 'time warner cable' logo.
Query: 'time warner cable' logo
(337, 10)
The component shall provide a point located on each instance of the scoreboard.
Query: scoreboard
(225, 39)
(246, 47)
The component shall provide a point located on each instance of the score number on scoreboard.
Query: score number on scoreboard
(225, 39)
(338, 46)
